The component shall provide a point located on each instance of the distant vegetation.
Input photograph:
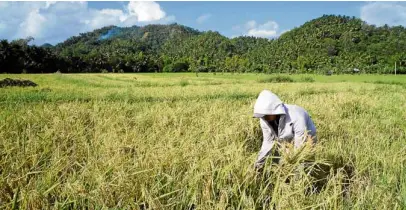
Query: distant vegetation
(329, 43)
(276, 79)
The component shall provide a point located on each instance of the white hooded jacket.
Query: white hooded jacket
(294, 123)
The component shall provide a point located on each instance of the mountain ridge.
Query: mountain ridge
(328, 43)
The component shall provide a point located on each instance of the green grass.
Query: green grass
(177, 141)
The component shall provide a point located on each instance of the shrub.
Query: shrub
(180, 67)
(168, 68)
(307, 79)
(184, 83)
(276, 79)
(176, 67)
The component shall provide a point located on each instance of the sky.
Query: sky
(54, 22)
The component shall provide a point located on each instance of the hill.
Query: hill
(152, 36)
(337, 43)
(342, 43)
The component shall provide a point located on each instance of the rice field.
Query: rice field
(181, 141)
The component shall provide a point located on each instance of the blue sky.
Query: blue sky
(53, 22)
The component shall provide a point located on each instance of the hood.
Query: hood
(268, 104)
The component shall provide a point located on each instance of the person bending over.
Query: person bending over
(281, 123)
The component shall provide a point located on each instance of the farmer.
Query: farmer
(281, 122)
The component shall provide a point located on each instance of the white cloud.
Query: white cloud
(380, 13)
(32, 25)
(104, 17)
(203, 18)
(269, 29)
(113, 12)
(54, 22)
(133, 20)
(261, 33)
(146, 10)
(270, 25)
(266, 30)
(250, 24)
(167, 19)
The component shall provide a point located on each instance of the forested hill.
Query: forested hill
(336, 43)
(149, 38)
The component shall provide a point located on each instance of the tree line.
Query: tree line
(330, 43)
